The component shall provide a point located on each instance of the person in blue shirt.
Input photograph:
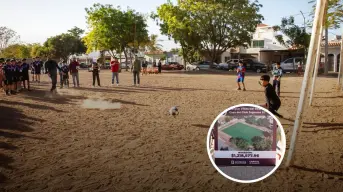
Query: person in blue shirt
(25, 74)
(240, 76)
(277, 74)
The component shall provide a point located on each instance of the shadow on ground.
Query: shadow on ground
(13, 126)
(46, 97)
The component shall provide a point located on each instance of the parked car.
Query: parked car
(106, 66)
(252, 65)
(125, 65)
(172, 66)
(83, 66)
(192, 67)
(205, 64)
(290, 65)
(229, 65)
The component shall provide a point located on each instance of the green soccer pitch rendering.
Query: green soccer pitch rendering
(242, 130)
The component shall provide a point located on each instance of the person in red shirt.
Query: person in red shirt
(115, 70)
(74, 71)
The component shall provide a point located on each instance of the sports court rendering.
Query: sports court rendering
(242, 130)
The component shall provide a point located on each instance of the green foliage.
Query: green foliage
(334, 15)
(212, 26)
(297, 37)
(113, 29)
(240, 143)
(37, 50)
(65, 44)
(16, 51)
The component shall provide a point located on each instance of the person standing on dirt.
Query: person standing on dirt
(95, 71)
(159, 66)
(277, 74)
(136, 70)
(145, 66)
(25, 74)
(51, 67)
(115, 70)
(38, 64)
(60, 64)
(73, 68)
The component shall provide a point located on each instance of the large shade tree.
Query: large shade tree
(66, 44)
(292, 35)
(114, 30)
(209, 27)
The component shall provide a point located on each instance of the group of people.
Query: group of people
(272, 92)
(14, 75)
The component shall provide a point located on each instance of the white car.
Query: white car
(191, 67)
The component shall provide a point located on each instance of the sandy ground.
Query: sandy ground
(54, 144)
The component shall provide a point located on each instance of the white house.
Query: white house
(263, 47)
(334, 53)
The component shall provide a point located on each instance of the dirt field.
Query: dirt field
(53, 144)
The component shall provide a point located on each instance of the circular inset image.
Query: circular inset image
(246, 143)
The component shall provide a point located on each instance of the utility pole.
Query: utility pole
(304, 36)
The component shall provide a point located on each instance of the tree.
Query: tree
(16, 51)
(152, 43)
(334, 18)
(174, 23)
(211, 26)
(296, 36)
(7, 37)
(65, 44)
(240, 143)
(114, 30)
(37, 50)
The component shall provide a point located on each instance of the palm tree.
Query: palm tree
(152, 43)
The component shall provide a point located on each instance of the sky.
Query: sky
(37, 20)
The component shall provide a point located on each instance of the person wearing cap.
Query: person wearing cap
(277, 74)
(273, 102)
(136, 70)
(95, 72)
(51, 67)
(115, 70)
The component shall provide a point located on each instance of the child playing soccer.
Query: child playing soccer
(277, 74)
(241, 75)
(273, 102)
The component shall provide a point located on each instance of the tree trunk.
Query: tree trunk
(125, 53)
(326, 64)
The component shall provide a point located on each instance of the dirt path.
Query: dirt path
(54, 144)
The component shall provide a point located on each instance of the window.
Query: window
(258, 44)
(290, 60)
